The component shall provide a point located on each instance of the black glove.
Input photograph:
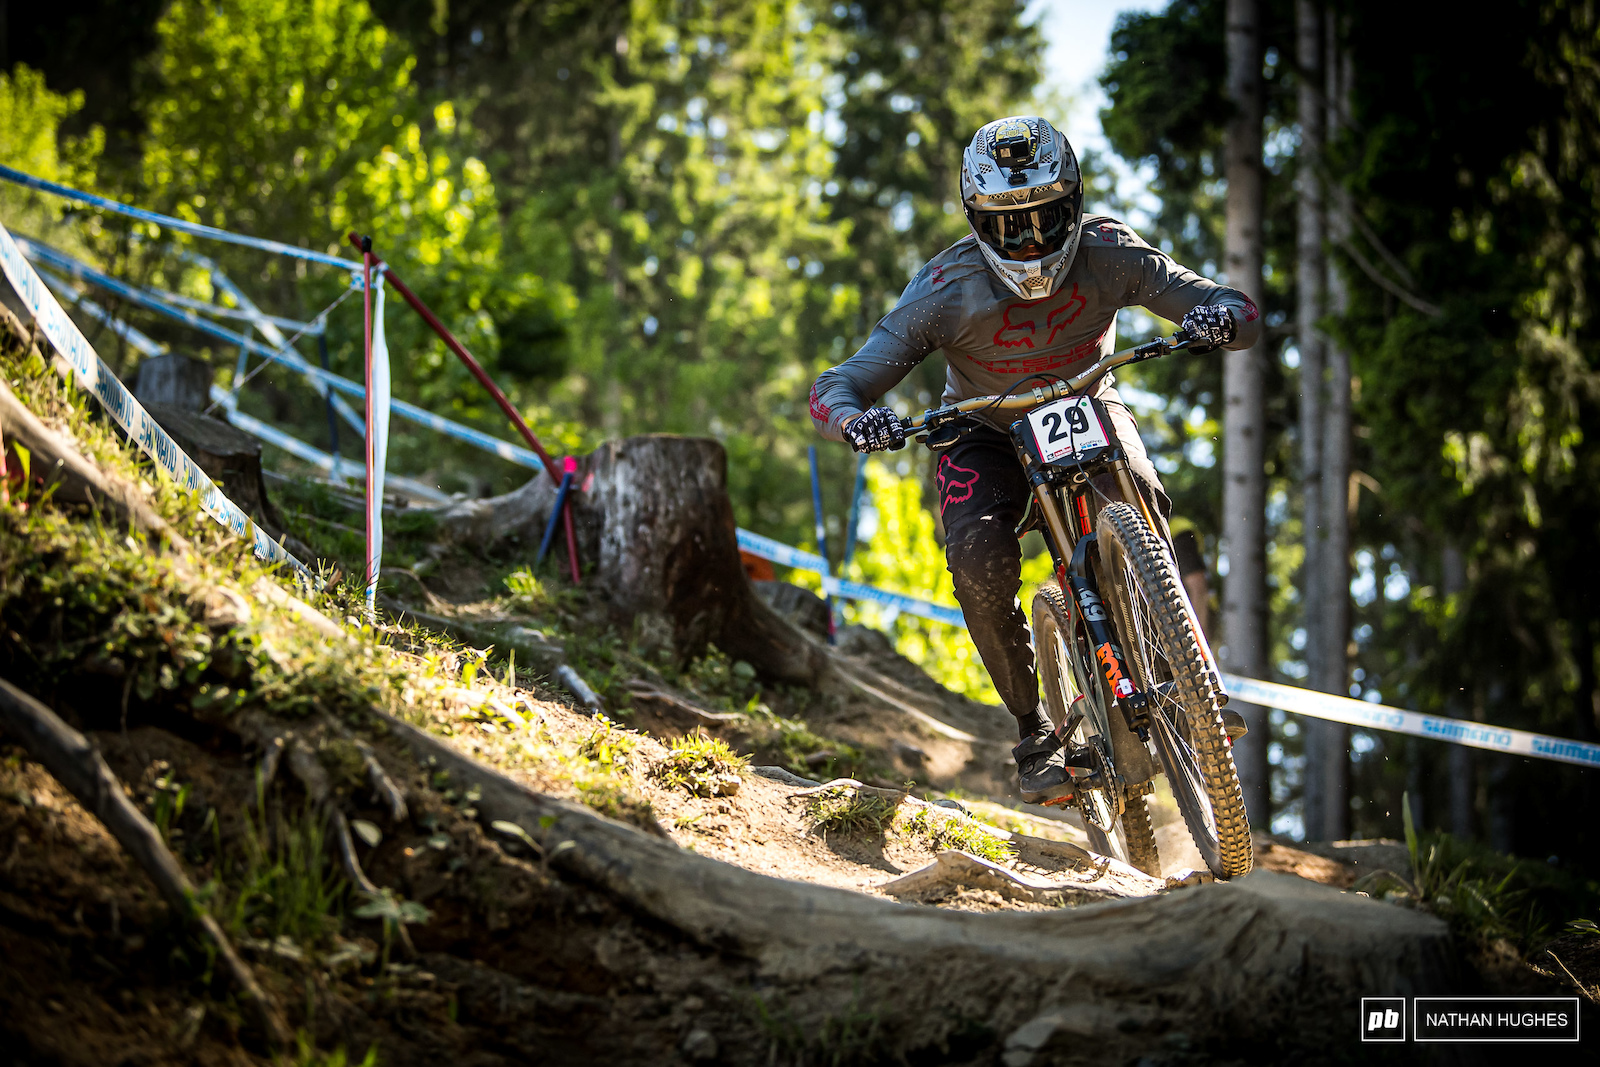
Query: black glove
(1210, 326)
(877, 430)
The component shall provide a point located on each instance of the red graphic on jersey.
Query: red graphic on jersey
(1251, 314)
(1020, 324)
(937, 276)
(1034, 364)
(819, 411)
(955, 483)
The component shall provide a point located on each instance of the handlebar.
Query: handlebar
(1043, 394)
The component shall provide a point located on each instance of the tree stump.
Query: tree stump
(800, 606)
(175, 380)
(655, 529)
(229, 456)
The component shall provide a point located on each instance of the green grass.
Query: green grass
(601, 772)
(705, 766)
(282, 882)
(608, 744)
(1485, 896)
(791, 744)
(843, 810)
(851, 1036)
(525, 592)
(307, 1055)
(953, 830)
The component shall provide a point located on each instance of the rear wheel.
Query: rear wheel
(1161, 644)
(1125, 835)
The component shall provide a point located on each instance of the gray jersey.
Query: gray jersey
(991, 337)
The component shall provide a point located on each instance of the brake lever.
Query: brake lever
(1161, 346)
(946, 435)
(932, 419)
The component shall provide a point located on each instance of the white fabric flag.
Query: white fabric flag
(378, 439)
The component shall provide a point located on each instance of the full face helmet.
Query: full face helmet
(1023, 196)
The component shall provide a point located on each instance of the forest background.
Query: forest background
(669, 215)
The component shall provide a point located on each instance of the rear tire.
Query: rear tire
(1127, 837)
(1161, 645)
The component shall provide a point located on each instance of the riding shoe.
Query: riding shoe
(1043, 762)
(1234, 723)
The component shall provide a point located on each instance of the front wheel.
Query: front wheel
(1126, 834)
(1162, 647)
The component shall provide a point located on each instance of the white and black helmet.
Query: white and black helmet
(1023, 195)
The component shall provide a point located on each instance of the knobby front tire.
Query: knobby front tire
(1161, 645)
(1063, 675)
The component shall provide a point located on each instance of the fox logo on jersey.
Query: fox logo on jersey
(1026, 320)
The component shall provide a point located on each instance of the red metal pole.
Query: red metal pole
(570, 464)
(366, 323)
(473, 366)
(488, 383)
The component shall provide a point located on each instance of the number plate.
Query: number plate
(1067, 427)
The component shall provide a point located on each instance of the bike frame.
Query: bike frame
(1068, 505)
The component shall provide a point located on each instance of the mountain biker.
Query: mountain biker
(1034, 288)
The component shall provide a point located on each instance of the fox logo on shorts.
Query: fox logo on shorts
(955, 483)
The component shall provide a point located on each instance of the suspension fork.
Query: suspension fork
(1132, 701)
(1071, 549)
(1130, 492)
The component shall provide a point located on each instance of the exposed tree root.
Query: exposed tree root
(307, 769)
(1257, 952)
(952, 870)
(676, 709)
(383, 787)
(69, 756)
(267, 767)
(55, 461)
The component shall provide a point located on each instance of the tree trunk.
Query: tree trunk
(1244, 606)
(1310, 284)
(1463, 779)
(656, 533)
(1334, 661)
